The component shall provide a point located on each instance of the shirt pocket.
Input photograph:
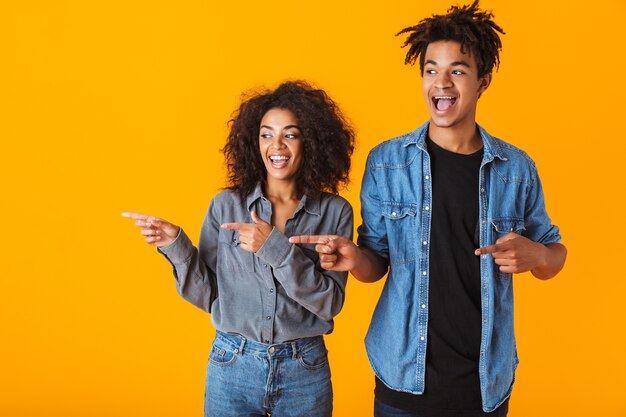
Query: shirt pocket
(400, 219)
(230, 256)
(503, 226)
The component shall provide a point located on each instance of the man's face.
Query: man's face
(451, 85)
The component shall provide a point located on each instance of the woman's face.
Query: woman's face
(280, 142)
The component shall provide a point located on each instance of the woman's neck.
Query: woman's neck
(281, 191)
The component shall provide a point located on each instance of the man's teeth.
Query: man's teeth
(443, 102)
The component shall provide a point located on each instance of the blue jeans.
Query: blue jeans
(251, 379)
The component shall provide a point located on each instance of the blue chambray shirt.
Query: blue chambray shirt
(278, 294)
(396, 201)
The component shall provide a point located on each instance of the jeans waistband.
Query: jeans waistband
(292, 349)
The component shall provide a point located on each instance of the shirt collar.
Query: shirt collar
(311, 205)
(492, 148)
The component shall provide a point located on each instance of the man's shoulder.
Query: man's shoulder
(509, 160)
(509, 150)
(398, 150)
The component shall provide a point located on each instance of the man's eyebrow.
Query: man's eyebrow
(462, 63)
(452, 64)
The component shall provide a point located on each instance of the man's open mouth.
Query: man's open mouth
(443, 103)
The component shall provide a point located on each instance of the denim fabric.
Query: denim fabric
(280, 292)
(396, 200)
(246, 378)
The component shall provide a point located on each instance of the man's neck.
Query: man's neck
(458, 139)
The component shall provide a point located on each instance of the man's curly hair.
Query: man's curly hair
(327, 139)
(473, 28)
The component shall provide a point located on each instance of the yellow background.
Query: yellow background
(107, 106)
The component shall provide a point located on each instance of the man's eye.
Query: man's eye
(457, 72)
(430, 71)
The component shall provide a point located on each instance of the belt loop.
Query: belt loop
(241, 345)
(294, 350)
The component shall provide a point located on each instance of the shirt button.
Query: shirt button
(421, 337)
(424, 273)
(482, 190)
(269, 317)
(423, 305)
(484, 221)
(426, 208)
(394, 214)
(236, 350)
(264, 265)
(272, 349)
(271, 290)
(426, 177)
(425, 243)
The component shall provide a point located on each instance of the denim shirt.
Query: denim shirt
(278, 294)
(396, 199)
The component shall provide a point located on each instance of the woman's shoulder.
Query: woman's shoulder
(330, 200)
(226, 199)
(226, 195)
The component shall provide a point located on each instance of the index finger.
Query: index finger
(487, 249)
(317, 239)
(233, 226)
(136, 216)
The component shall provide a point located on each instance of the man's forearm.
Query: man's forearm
(370, 266)
(554, 259)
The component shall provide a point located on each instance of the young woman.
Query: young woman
(287, 152)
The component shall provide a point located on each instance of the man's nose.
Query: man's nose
(443, 80)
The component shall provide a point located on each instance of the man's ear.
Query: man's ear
(483, 83)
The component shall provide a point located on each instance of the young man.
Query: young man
(451, 212)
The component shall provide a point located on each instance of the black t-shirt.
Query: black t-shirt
(452, 386)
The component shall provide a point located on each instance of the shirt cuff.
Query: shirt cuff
(275, 249)
(179, 251)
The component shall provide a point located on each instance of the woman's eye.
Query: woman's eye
(266, 135)
(292, 135)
